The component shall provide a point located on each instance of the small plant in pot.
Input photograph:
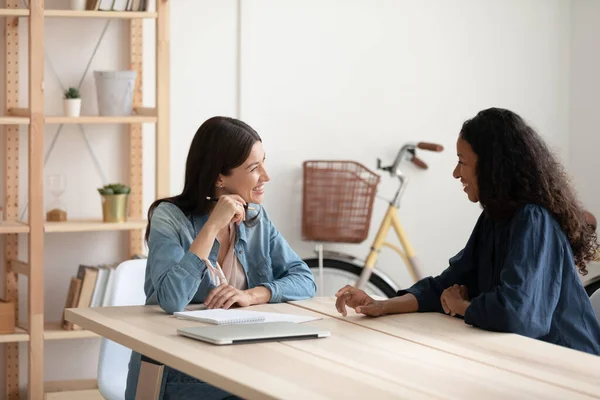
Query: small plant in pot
(115, 197)
(72, 102)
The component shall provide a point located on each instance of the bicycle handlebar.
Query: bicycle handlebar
(410, 150)
(419, 163)
(430, 146)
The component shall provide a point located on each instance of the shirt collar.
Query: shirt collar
(240, 230)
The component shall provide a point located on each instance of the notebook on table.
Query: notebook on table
(221, 316)
(253, 332)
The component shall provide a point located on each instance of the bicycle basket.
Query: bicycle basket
(337, 201)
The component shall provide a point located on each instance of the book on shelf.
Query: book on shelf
(72, 300)
(91, 287)
(105, 5)
(120, 5)
(137, 5)
(117, 5)
(92, 5)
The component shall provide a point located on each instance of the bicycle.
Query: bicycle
(337, 206)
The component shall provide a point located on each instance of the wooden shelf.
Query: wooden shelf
(7, 227)
(13, 227)
(90, 394)
(10, 120)
(14, 12)
(23, 12)
(20, 335)
(53, 331)
(94, 226)
(92, 119)
(70, 385)
(99, 14)
(81, 389)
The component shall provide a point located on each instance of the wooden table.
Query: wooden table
(540, 361)
(422, 356)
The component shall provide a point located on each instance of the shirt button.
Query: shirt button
(240, 252)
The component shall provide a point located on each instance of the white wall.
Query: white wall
(336, 79)
(354, 79)
(585, 89)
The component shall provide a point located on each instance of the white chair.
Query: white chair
(128, 290)
(595, 299)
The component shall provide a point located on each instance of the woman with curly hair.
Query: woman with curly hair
(518, 271)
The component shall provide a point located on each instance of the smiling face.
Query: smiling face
(466, 169)
(248, 179)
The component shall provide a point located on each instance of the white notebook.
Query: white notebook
(221, 316)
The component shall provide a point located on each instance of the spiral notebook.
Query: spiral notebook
(232, 316)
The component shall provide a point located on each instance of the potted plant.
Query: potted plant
(78, 5)
(115, 197)
(72, 102)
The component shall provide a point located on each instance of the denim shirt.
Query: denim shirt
(176, 277)
(521, 277)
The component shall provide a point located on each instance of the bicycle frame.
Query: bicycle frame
(391, 220)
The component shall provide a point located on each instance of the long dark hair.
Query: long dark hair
(515, 167)
(220, 145)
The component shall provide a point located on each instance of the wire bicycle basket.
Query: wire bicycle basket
(337, 201)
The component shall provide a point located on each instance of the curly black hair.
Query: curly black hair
(515, 167)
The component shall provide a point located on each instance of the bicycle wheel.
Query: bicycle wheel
(592, 287)
(337, 274)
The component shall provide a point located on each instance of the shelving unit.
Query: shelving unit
(21, 116)
(14, 121)
(14, 11)
(134, 119)
(100, 14)
(53, 331)
(94, 226)
(13, 227)
(20, 335)
(36, 330)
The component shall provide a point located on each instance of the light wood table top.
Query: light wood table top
(561, 367)
(270, 370)
(356, 361)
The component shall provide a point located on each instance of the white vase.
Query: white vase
(72, 107)
(78, 5)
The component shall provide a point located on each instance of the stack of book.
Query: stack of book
(117, 5)
(92, 287)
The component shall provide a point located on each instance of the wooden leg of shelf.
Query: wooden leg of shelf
(163, 104)
(36, 201)
(135, 137)
(11, 365)
(11, 350)
(11, 194)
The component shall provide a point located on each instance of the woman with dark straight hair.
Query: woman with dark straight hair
(518, 271)
(214, 244)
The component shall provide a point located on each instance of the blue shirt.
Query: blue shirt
(521, 278)
(176, 277)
